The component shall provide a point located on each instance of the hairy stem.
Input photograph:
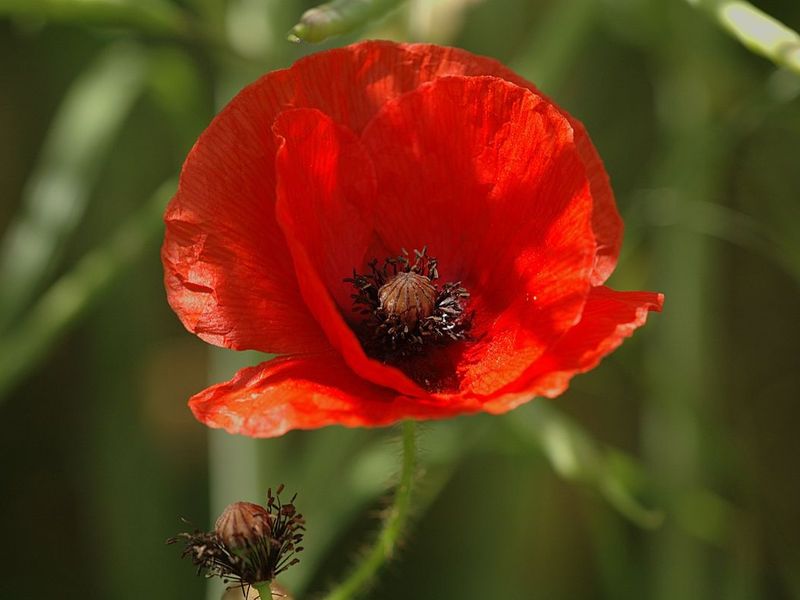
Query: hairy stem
(385, 544)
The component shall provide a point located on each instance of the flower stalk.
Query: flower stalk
(264, 590)
(386, 543)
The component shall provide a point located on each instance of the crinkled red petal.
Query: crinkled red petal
(326, 194)
(487, 175)
(352, 83)
(228, 272)
(315, 391)
(305, 393)
(608, 318)
(606, 221)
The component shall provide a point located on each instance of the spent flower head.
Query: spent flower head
(250, 544)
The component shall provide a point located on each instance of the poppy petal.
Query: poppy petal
(305, 393)
(608, 318)
(487, 175)
(228, 272)
(606, 221)
(351, 84)
(326, 192)
(326, 189)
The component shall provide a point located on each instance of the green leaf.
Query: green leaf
(150, 16)
(576, 457)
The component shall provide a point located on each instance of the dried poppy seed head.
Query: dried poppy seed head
(242, 524)
(409, 296)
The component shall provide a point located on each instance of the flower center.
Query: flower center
(409, 297)
(404, 310)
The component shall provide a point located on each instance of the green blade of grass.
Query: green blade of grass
(547, 58)
(76, 291)
(149, 16)
(58, 191)
(576, 457)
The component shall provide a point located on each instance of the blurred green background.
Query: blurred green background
(670, 472)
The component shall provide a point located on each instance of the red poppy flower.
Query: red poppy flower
(294, 208)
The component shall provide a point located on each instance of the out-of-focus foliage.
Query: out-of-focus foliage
(667, 473)
(337, 17)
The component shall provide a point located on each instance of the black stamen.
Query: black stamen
(404, 317)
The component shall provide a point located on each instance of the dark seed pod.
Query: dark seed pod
(242, 524)
(408, 295)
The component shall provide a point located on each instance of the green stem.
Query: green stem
(264, 590)
(757, 30)
(386, 543)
